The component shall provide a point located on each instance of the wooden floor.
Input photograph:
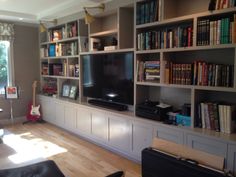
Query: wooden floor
(74, 156)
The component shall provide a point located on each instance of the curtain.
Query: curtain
(6, 31)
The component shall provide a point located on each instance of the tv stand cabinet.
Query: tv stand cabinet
(127, 135)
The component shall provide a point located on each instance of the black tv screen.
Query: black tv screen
(109, 77)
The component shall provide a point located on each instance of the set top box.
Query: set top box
(153, 110)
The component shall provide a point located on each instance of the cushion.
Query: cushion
(116, 174)
(42, 169)
(179, 150)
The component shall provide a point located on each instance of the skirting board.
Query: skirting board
(16, 120)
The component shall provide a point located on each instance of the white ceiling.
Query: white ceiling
(32, 11)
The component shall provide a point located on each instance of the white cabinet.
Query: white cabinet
(70, 117)
(208, 145)
(231, 159)
(47, 109)
(84, 122)
(60, 114)
(100, 125)
(142, 135)
(120, 133)
(170, 134)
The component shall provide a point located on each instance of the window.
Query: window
(6, 58)
(4, 64)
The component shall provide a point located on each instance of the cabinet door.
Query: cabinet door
(120, 133)
(231, 159)
(100, 125)
(60, 114)
(48, 110)
(142, 138)
(207, 144)
(84, 122)
(170, 134)
(70, 117)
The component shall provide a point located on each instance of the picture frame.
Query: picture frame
(73, 92)
(11, 92)
(65, 90)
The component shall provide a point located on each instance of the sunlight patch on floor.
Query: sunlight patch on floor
(28, 147)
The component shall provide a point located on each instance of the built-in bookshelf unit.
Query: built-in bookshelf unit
(59, 56)
(184, 57)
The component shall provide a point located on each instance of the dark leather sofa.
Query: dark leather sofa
(42, 169)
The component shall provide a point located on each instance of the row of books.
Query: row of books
(214, 32)
(57, 34)
(223, 4)
(148, 11)
(216, 116)
(72, 30)
(148, 70)
(74, 70)
(180, 36)
(60, 69)
(63, 49)
(178, 73)
(199, 73)
(207, 74)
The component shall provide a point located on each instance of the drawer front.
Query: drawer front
(208, 145)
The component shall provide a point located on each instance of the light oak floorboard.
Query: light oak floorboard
(76, 157)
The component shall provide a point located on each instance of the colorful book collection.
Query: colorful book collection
(63, 49)
(148, 70)
(57, 34)
(216, 31)
(223, 4)
(199, 73)
(180, 36)
(216, 116)
(147, 11)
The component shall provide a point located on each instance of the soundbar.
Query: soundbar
(108, 104)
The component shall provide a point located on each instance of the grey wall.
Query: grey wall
(26, 61)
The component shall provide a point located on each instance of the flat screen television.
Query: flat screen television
(109, 77)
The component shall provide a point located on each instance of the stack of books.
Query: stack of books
(216, 116)
(148, 70)
(152, 70)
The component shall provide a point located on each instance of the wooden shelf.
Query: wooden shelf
(146, 83)
(104, 33)
(62, 40)
(185, 18)
(60, 77)
(108, 51)
(60, 57)
(166, 22)
(181, 49)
